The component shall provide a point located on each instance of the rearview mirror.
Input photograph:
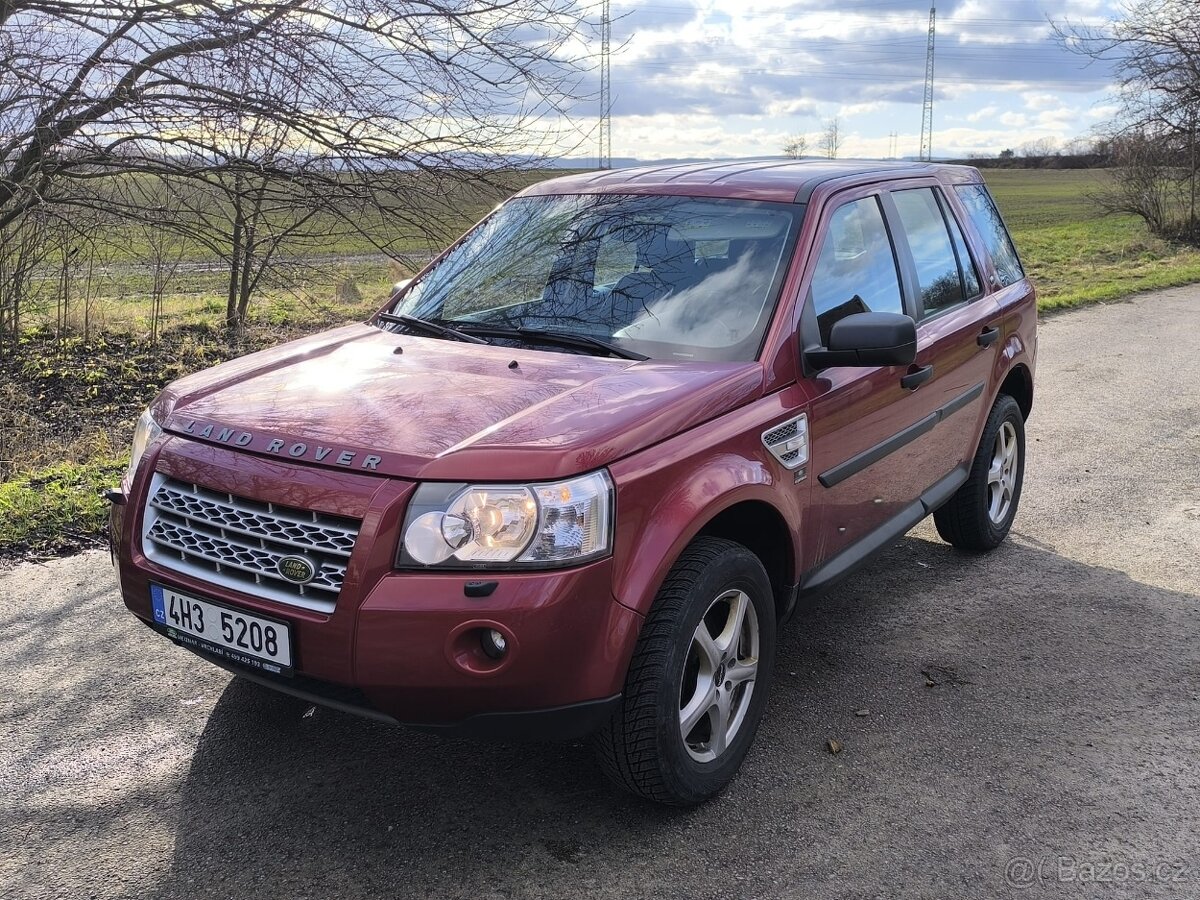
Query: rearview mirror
(868, 339)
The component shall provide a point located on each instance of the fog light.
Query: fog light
(494, 643)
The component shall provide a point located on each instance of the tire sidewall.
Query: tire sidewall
(737, 569)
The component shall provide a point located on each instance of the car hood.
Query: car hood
(368, 400)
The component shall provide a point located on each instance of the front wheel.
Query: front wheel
(697, 684)
(980, 514)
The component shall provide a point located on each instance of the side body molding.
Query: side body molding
(860, 461)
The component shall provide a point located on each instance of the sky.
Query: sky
(722, 78)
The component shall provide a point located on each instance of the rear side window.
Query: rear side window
(991, 228)
(938, 274)
(856, 271)
(969, 275)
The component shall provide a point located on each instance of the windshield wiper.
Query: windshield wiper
(565, 338)
(434, 328)
(581, 340)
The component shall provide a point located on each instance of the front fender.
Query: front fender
(662, 512)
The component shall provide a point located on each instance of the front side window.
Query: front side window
(856, 271)
(991, 228)
(938, 275)
(667, 277)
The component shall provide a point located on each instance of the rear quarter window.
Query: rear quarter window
(986, 218)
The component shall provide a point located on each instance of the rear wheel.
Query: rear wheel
(698, 680)
(980, 514)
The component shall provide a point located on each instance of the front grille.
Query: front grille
(238, 543)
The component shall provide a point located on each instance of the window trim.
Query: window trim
(949, 217)
(913, 305)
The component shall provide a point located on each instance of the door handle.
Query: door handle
(988, 336)
(914, 380)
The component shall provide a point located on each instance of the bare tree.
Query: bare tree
(95, 88)
(831, 138)
(162, 243)
(1039, 147)
(24, 249)
(1081, 145)
(795, 147)
(1155, 56)
(351, 95)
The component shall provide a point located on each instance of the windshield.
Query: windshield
(667, 277)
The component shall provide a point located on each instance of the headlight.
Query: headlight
(144, 434)
(480, 526)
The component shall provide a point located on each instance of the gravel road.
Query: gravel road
(1056, 753)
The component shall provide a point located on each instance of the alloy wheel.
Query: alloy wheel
(719, 675)
(1002, 474)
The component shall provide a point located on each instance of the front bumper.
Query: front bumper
(558, 723)
(404, 646)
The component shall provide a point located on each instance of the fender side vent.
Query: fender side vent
(788, 441)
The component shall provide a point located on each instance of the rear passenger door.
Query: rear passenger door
(957, 333)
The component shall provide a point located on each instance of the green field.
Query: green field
(1075, 253)
(67, 404)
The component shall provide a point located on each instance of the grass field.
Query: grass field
(67, 406)
(1074, 253)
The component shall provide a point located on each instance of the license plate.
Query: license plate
(234, 634)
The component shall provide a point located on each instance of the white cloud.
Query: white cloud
(1037, 100)
(719, 77)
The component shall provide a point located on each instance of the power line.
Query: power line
(896, 17)
(890, 77)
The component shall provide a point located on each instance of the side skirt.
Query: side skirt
(833, 570)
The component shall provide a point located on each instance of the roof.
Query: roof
(784, 180)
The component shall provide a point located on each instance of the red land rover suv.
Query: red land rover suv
(575, 475)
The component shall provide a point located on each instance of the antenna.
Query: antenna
(927, 108)
(605, 155)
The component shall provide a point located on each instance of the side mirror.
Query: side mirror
(868, 339)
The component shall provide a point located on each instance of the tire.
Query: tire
(643, 747)
(978, 517)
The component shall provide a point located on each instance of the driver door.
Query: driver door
(868, 432)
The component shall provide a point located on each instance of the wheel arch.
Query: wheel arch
(746, 511)
(760, 528)
(1018, 384)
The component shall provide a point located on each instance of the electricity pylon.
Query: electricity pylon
(927, 109)
(605, 155)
